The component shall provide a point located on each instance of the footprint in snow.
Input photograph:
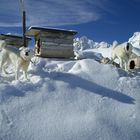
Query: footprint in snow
(5, 119)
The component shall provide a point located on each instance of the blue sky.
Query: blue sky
(100, 20)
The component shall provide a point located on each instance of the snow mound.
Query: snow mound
(88, 54)
(135, 40)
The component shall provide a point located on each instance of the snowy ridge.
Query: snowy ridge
(83, 43)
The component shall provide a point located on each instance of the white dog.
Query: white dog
(20, 58)
(122, 52)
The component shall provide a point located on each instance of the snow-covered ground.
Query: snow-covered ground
(71, 100)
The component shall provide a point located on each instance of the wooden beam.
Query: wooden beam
(24, 29)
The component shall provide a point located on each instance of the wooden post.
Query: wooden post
(23, 22)
(24, 29)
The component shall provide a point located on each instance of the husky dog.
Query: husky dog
(20, 58)
(122, 52)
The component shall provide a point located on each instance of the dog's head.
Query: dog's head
(26, 53)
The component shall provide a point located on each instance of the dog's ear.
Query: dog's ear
(127, 46)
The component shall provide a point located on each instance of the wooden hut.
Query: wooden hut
(50, 42)
(14, 40)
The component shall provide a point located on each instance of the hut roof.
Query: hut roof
(11, 36)
(13, 39)
(33, 31)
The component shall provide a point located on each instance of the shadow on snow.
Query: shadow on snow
(76, 81)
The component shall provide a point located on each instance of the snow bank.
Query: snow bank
(135, 40)
(136, 51)
(71, 100)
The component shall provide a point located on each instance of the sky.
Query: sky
(99, 20)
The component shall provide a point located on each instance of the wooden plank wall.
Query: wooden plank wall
(56, 45)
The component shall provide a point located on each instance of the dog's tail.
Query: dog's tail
(115, 43)
(2, 44)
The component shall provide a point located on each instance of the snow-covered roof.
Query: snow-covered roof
(11, 36)
(33, 31)
(15, 40)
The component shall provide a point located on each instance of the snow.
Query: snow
(83, 43)
(136, 51)
(71, 100)
(135, 40)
